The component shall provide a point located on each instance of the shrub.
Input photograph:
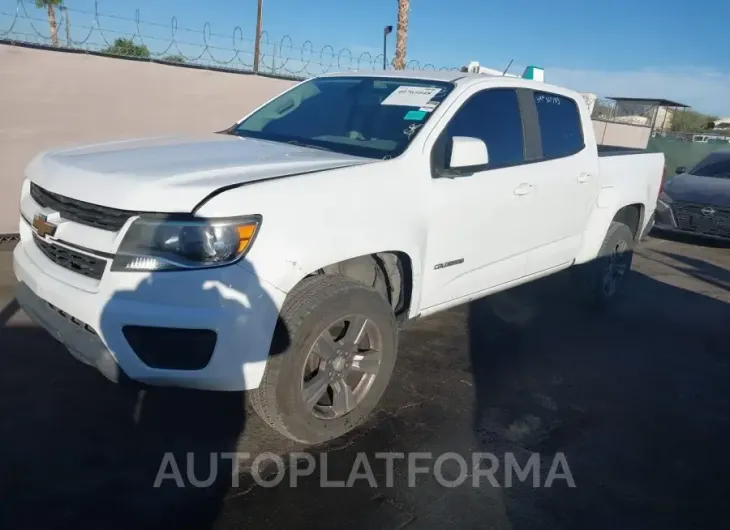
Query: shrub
(122, 46)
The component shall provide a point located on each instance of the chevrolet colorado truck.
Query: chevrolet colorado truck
(279, 256)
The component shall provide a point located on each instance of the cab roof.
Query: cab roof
(429, 75)
(450, 76)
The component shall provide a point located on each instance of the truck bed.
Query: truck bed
(638, 177)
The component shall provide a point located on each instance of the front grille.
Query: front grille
(77, 262)
(690, 218)
(81, 212)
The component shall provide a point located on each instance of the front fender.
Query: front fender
(286, 270)
(309, 222)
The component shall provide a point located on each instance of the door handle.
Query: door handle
(523, 189)
(583, 178)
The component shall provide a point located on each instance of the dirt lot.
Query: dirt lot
(638, 400)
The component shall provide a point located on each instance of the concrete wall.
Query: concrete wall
(622, 134)
(50, 99)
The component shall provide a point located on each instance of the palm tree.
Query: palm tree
(401, 35)
(48, 4)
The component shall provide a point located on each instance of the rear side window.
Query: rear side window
(494, 117)
(560, 125)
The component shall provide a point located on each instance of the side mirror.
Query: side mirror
(680, 169)
(467, 152)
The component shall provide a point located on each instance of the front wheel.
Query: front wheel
(601, 281)
(342, 339)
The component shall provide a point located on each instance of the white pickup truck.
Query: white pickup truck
(280, 255)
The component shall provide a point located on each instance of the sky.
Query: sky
(672, 49)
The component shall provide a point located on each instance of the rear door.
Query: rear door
(565, 178)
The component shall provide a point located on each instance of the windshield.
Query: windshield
(362, 116)
(715, 165)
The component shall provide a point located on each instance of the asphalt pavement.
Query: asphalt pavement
(637, 400)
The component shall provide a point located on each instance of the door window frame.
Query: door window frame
(531, 103)
(531, 139)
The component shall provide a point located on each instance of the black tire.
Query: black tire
(310, 309)
(591, 277)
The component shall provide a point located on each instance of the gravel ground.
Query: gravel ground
(636, 399)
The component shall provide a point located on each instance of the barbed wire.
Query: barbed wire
(206, 48)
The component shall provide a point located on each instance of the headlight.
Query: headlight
(171, 244)
(665, 200)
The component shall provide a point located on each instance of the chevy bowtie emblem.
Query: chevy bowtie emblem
(42, 227)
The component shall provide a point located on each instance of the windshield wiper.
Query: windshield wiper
(305, 144)
(240, 134)
(246, 134)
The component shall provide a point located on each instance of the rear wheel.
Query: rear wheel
(601, 281)
(342, 348)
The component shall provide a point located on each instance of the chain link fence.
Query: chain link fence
(678, 152)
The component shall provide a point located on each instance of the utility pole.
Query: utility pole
(386, 31)
(68, 27)
(259, 30)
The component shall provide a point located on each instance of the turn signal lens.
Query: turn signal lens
(245, 235)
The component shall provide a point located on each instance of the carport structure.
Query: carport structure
(654, 110)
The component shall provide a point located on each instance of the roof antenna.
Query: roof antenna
(505, 70)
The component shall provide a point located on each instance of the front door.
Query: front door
(479, 223)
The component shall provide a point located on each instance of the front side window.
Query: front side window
(494, 117)
(716, 166)
(560, 125)
(362, 116)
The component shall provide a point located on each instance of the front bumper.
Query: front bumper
(665, 220)
(89, 317)
(82, 342)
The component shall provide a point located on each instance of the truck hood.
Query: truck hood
(172, 174)
(703, 190)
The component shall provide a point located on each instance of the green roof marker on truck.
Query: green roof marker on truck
(535, 73)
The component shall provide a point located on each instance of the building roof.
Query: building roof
(660, 101)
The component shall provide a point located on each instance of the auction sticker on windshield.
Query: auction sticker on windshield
(411, 96)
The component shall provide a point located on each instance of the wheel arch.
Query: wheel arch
(393, 267)
(632, 215)
(285, 268)
(609, 208)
